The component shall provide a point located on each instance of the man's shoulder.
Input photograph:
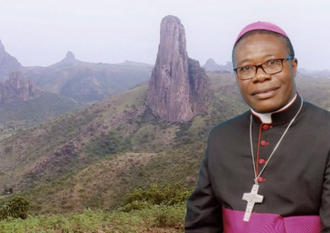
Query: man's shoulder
(315, 118)
(316, 111)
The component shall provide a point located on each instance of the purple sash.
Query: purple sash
(269, 223)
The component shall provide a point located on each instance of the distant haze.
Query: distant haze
(39, 33)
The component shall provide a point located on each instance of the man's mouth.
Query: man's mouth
(264, 93)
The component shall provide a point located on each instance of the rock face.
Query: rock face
(178, 86)
(18, 87)
(8, 63)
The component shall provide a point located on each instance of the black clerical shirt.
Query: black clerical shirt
(295, 182)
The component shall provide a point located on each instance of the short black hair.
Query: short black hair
(285, 39)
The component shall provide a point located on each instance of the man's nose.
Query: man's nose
(261, 75)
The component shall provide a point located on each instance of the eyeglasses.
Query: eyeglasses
(269, 67)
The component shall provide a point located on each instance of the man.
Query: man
(266, 170)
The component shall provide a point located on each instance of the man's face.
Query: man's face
(265, 93)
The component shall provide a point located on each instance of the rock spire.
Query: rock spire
(178, 86)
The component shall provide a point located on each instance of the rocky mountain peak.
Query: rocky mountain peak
(210, 62)
(178, 86)
(18, 87)
(69, 56)
(68, 60)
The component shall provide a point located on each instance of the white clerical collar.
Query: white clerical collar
(266, 118)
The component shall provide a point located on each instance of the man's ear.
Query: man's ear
(294, 66)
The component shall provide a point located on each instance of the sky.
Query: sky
(39, 32)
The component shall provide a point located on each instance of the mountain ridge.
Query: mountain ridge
(211, 66)
(88, 82)
(82, 81)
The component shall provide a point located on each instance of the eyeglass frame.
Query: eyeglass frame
(260, 66)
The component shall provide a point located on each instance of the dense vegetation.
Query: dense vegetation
(156, 209)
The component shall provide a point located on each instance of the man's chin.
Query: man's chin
(265, 106)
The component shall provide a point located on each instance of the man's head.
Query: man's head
(265, 89)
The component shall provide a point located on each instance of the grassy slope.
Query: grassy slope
(18, 114)
(103, 184)
(150, 150)
(144, 134)
(19, 153)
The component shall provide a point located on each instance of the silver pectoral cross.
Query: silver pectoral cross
(251, 198)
